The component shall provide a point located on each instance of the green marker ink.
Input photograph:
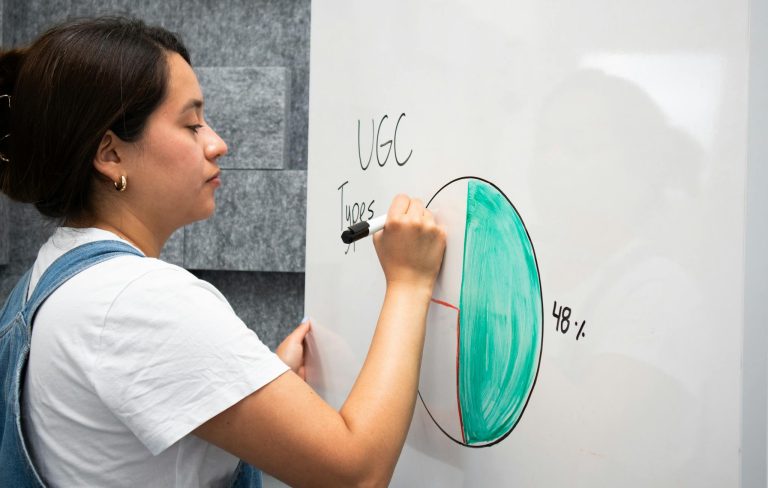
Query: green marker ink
(500, 317)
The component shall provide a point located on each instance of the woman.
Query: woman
(140, 374)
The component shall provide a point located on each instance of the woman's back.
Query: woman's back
(92, 343)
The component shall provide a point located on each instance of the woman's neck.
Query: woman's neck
(129, 228)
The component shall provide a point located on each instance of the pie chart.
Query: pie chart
(484, 327)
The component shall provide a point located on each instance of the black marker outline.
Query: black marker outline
(370, 155)
(394, 143)
(541, 345)
(389, 149)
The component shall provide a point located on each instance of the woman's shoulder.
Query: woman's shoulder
(127, 284)
(139, 275)
(150, 281)
(111, 278)
(128, 266)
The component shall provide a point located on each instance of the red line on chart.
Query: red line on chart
(445, 304)
(458, 335)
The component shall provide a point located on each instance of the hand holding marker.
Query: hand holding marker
(362, 229)
(411, 247)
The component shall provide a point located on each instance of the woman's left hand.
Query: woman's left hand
(291, 350)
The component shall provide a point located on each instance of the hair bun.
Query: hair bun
(10, 63)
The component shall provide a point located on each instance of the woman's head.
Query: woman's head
(82, 95)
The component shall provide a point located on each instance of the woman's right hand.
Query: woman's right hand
(311, 444)
(411, 245)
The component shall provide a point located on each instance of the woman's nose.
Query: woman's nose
(215, 147)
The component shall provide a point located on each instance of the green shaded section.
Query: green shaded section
(500, 316)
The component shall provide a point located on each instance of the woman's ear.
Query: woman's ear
(107, 161)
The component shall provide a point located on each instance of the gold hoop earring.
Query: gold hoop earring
(122, 184)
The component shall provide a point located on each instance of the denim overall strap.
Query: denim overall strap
(246, 476)
(15, 337)
(70, 264)
(16, 468)
(15, 301)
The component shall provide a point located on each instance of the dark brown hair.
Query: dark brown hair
(75, 82)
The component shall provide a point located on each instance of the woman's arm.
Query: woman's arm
(287, 430)
(292, 351)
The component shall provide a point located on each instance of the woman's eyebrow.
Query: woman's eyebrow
(194, 103)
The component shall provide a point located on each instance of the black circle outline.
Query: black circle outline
(541, 301)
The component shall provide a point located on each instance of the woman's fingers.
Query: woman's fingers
(411, 246)
(399, 206)
(300, 332)
(292, 351)
(416, 208)
(429, 217)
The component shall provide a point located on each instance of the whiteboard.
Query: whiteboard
(616, 132)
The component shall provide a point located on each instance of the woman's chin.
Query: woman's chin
(201, 214)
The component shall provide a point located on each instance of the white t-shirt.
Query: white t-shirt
(128, 357)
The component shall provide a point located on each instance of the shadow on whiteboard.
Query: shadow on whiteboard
(331, 387)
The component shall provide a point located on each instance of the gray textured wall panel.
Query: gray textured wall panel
(233, 33)
(248, 107)
(24, 20)
(259, 224)
(173, 250)
(28, 231)
(269, 303)
(256, 33)
(5, 242)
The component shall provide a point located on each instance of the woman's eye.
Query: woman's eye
(195, 128)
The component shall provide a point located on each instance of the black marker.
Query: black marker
(362, 229)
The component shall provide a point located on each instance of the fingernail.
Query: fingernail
(306, 318)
